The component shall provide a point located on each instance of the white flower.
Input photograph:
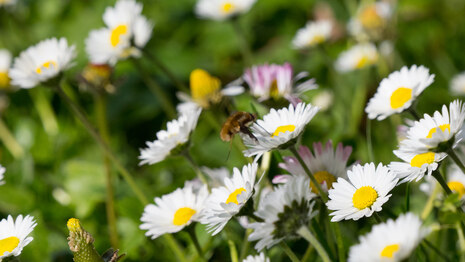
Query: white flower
(226, 201)
(2, 171)
(456, 180)
(398, 91)
(365, 192)
(124, 25)
(392, 241)
(176, 134)
(326, 165)
(457, 84)
(324, 99)
(284, 211)
(258, 258)
(174, 211)
(416, 165)
(41, 62)
(14, 235)
(370, 19)
(312, 34)
(429, 132)
(278, 128)
(359, 56)
(222, 9)
(5, 63)
(7, 2)
(216, 175)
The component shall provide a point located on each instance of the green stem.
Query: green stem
(441, 181)
(166, 71)
(407, 197)
(157, 90)
(79, 113)
(233, 251)
(430, 203)
(9, 141)
(456, 159)
(101, 110)
(289, 252)
(308, 253)
(305, 233)
(307, 170)
(244, 46)
(245, 244)
(436, 250)
(195, 241)
(177, 250)
(46, 114)
(339, 241)
(414, 113)
(369, 142)
(377, 217)
(191, 161)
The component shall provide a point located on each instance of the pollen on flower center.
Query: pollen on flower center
(183, 215)
(457, 187)
(117, 33)
(204, 87)
(442, 127)
(323, 176)
(283, 129)
(227, 7)
(364, 197)
(8, 244)
(74, 225)
(401, 96)
(362, 62)
(389, 251)
(4, 79)
(233, 196)
(47, 65)
(420, 159)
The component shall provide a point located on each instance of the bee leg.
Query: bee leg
(246, 131)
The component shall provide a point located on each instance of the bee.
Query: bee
(237, 122)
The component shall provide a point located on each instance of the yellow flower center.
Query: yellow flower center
(47, 65)
(8, 244)
(74, 225)
(389, 251)
(362, 62)
(283, 129)
(233, 196)
(183, 215)
(227, 7)
(4, 79)
(322, 176)
(116, 33)
(457, 187)
(369, 17)
(204, 87)
(442, 127)
(317, 39)
(401, 96)
(274, 90)
(420, 159)
(364, 197)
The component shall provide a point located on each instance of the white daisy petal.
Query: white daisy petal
(222, 9)
(312, 34)
(14, 235)
(357, 57)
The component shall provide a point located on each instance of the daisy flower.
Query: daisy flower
(284, 211)
(227, 201)
(365, 192)
(41, 62)
(174, 211)
(357, 57)
(174, 137)
(2, 171)
(415, 165)
(206, 90)
(14, 235)
(314, 33)
(457, 84)
(258, 258)
(277, 81)
(216, 175)
(7, 2)
(126, 32)
(398, 91)
(430, 132)
(326, 165)
(278, 128)
(5, 63)
(222, 9)
(370, 19)
(390, 241)
(456, 180)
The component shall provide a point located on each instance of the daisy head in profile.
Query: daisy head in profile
(283, 211)
(364, 193)
(394, 240)
(357, 57)
(439, 132)
(41, 62)
(127, 31)
(278, 129)
(313, 34)
(326, 164)
(222, 9)
(398, 91)
(14, 235)
(228, 200)
(172, 140)
(5, 63)
(274, 82)
(174, 211)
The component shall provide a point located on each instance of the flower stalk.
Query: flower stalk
(305, 233)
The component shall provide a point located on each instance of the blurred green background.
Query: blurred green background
(61, 174)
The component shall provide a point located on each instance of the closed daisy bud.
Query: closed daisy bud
(81, 243)
(357, 57)
(14, 235)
